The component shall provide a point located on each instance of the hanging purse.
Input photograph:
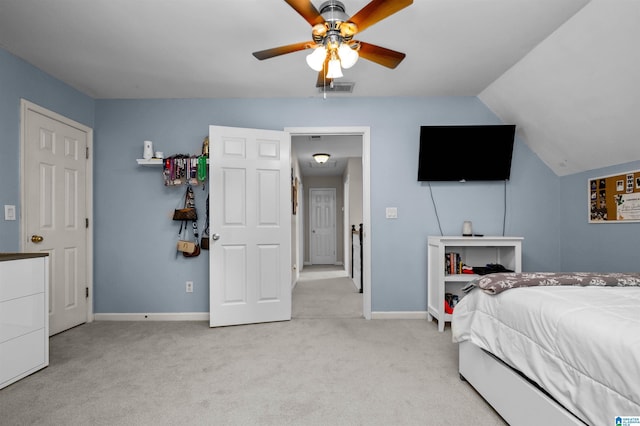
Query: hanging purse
(188, 212)
(196, 249)
(194, 253)
(188, 248)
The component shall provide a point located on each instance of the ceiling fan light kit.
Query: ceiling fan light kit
(334, 70)
(348, 56)
(315, 59)
(332, 32)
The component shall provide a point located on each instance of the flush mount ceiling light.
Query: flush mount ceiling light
(332, 32)
(321, 158)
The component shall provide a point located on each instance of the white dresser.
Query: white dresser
(24, 315)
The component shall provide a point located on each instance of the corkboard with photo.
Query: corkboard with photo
(615, 198)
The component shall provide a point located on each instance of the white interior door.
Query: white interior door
(250, 225)
(55, 209)
(322, 227)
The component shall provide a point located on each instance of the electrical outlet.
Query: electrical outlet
(189, 287)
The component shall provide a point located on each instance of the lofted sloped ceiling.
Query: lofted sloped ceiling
(564, 71)
(576, 96)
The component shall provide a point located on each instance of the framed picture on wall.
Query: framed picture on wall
(614, 198)
(294, 196)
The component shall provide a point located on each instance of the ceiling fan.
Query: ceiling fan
(332, 37)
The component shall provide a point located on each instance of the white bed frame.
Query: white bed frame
(516, 399)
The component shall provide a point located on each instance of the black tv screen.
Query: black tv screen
(465, 153)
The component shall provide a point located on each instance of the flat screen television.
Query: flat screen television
(465, 153)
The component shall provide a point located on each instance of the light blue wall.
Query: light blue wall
(599, 247)
(143, 275)
(21, 80)
(135, 265)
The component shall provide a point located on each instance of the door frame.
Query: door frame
(365, 133)
(26, 106)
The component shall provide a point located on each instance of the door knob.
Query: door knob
(36, 238)
(215, 237)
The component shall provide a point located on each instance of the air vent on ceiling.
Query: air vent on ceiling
(337, 87)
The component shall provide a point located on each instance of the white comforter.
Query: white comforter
(581, 344)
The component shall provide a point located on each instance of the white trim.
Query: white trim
(173, 316)
(365, 132)
(25, 106)
(420, 315)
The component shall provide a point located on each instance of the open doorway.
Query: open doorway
(325, 291)
(357, 138)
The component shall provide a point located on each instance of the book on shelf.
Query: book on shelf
(453, 263)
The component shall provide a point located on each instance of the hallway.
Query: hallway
(325, 291)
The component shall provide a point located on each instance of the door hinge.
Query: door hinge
(87, 152)
(86, 222)
(86, 292)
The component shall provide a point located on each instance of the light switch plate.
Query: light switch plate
(9, 212)
(392, 212)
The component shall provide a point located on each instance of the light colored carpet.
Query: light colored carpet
(325, 292)
(307, 371)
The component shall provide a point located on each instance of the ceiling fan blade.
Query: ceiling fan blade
(380, 55)
(283, 50)
(376, 11)
(307, 10)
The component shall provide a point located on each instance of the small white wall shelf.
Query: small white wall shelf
(150, 162)
(153, 162)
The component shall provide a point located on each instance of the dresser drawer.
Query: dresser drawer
(22, 277)
(21, 316)
(22, 356)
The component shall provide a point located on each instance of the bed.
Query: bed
(553, 348)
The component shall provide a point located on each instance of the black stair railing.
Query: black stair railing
(361, 261)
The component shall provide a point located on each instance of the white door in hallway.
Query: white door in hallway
(322, 238)
(250, 226)
(55, 209)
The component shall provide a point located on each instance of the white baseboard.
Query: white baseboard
(204, 316)
(399, 315)
(174, 316)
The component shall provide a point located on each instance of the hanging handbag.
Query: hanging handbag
(196, 249)
(194, 253)
(187, 247)
(188, 212)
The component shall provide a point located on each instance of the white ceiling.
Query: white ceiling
(564, 71)
(340, 147)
